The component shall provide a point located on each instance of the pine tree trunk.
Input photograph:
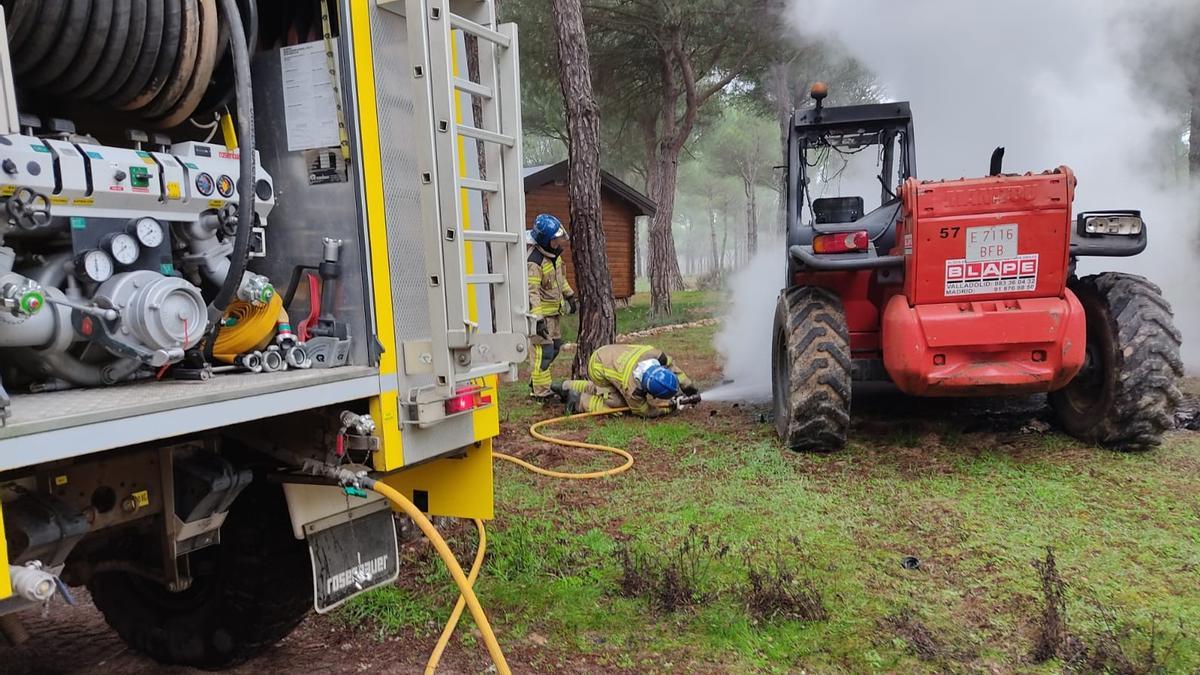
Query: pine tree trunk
(664, 261)
(597, 318)
(751, 218)
(712, 238)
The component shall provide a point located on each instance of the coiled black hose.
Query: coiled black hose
(155, 58)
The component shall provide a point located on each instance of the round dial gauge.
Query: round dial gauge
(97, 266)
(205, 184)
(225, 186)
(149, 232)
(124, 248)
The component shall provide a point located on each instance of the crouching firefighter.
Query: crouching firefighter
(639, 377)
(550, 296)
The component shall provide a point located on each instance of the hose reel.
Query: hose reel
(155, 58)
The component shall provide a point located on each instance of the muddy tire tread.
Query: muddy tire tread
(265, 590)
(818, 349)
(1147, 361)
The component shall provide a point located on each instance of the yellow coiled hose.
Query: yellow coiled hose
(248, 327)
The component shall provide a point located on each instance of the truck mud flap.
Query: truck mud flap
(352, 558)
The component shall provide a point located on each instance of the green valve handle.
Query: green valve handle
(355, 492)
(268, 292)
(32, 302)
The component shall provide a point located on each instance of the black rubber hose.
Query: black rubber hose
(111, 75)
(167, 51)
(100, 31)
(20, 15)
(245, 123)
(66, 44)
(185, 63)
(294, 283)
(221, 91)
(43, 33)
(143, 59)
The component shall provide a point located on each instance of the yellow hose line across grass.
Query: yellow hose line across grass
(455, 615)
(452, 622)
(533, 431)
(467, 595)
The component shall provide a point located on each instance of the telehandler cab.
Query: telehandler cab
(959, 288)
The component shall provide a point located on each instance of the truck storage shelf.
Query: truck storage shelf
(56, 425)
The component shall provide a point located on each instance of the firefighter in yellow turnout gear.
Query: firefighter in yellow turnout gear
(550, 296)
(640, 377)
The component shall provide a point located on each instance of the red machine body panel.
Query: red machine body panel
(985, 308)
(999, 237)
(984, 348)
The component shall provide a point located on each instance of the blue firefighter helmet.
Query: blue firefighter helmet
(547, 228)
(660, 382)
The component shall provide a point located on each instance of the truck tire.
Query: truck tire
(1125, 396)
(248, 592)
(810, 379)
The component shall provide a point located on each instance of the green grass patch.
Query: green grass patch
(686, 306)
(976, 507)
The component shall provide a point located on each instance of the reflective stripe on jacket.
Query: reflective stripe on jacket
(613, 365)
(548, 286)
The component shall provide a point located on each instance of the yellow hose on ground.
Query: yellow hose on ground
(455, 615)
(447, 556)
(533, 431)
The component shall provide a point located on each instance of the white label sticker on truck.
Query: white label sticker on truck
(977, 277)
(992, 242)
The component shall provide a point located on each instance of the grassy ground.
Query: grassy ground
(967, 488)
(686, 306)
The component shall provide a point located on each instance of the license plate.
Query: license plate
(353, 558)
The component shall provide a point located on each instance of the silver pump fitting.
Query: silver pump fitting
(361, 425)
(286, 339)
(22, 297)
(251, 361)
(332, 249)
(273, 360)
(297, 357)
(31, 582)
(255, 289)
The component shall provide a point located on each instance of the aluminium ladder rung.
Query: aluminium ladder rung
(482, 32)
(481, 371)
(486, 136)
(491, 236)
(479, 184)
(473, 88)
(485, 278)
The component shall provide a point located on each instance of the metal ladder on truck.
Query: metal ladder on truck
(462, 350)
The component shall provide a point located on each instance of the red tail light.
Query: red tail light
(842, 242)
(467, 398)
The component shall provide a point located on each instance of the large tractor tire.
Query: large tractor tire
(810, 378)
(1125, 396)
(248, 592)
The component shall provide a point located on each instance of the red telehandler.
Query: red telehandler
(959, 288)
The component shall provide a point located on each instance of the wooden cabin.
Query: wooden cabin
(621, 205)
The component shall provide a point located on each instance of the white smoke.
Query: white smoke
(1053, 82)
(744, 340)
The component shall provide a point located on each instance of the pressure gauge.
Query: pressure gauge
(124, 248)
(225, 186)
(149, 232)
(205, 184)
(95, 265)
